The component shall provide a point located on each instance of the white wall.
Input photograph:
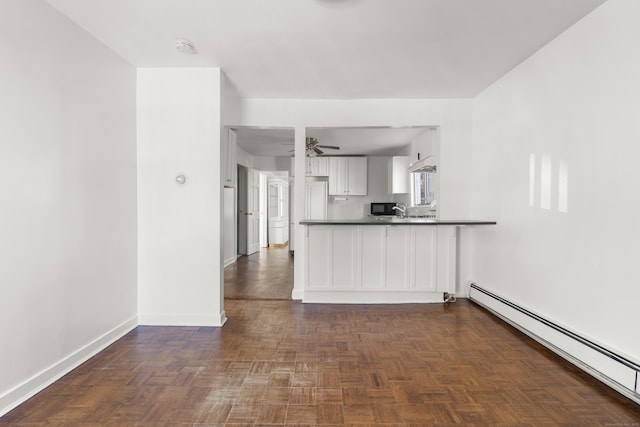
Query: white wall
(453, 116)
(573, 106)
(180, 243)
(271, 164)
(68, 205)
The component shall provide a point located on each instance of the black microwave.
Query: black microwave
(383, 208)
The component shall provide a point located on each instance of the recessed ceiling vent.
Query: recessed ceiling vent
(185, 46)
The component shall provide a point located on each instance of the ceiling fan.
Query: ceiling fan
(313, 147)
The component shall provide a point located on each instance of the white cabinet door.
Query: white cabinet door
(398, 175)
(398, 257)
(372, 251)
(424, 249)
(347, 176)
(320, 245)
(344, 258)
(447, 248)
(338, 174)
(331, 258)
(317, 166)
(357, 176)
(421, 146)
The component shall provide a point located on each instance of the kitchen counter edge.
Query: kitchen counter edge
(366, 221)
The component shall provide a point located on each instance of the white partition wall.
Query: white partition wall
(179, 133)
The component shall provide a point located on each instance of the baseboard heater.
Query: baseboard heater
(615, 370)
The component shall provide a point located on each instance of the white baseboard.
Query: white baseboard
(616, 370)
(370, 297)
(297, 294)
(48, 376)
(177, 319)
(230, 261)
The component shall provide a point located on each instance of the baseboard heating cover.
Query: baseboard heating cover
(613, 369)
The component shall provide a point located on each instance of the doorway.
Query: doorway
(263, 268)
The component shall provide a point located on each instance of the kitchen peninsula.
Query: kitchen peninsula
(381, 259)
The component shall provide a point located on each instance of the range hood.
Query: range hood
(424, 165)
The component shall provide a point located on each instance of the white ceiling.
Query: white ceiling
(340, 49)
(333, 49)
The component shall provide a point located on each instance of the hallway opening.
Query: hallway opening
(264, 275)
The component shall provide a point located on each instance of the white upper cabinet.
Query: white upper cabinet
(229, 160)
(398, 175)
(422, 146)
(317, 166)
(347, 176)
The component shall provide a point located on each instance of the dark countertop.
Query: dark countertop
(395, 221)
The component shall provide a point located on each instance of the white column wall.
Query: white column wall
(567, 240)
(68, 197)
(180, 242)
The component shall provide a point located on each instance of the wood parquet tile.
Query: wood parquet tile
(287, 363)
(265, 275)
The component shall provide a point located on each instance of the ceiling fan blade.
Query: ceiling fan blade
(317, 150)
(333, 147)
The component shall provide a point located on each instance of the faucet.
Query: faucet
(401, 208)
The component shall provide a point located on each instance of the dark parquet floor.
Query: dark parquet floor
(284, 362)
(266, 275)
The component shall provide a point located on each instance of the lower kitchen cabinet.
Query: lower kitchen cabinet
(424, 244)
(379, 263)
(331, 258)
(372, 257)
(398, 258)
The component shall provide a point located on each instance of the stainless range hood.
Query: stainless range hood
(424, 165)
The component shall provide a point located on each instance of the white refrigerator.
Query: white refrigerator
(316, 196)
(315, 206)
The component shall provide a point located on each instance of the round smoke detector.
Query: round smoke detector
(185, 46)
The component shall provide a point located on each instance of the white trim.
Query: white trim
(179, 319)
(611, 372)
(48, 376)
(371, 297)
(230, 261)
(297, 294)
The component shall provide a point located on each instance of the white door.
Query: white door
(253, 211)
(243, 189)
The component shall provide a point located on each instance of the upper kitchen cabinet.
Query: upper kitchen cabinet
(347, 176)
(313, 166)
(398, 175)
(317, 166)
(229, 160)
(422, 146)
